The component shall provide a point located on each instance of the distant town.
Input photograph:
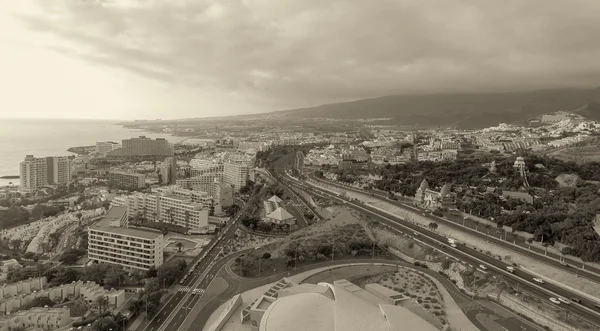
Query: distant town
(138, 234)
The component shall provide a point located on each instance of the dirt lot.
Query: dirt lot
(343, 234)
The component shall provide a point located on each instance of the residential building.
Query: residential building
(37, 318)
(134, 249)
(58, 169)
(143, 148)
(37, 172)
(235, 175)
(103, 147)
(126, 180)
(186, 208)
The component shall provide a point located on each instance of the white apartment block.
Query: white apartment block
(36, 172)
(143, 147)
(127, 180)
(134, 249)
(33, 172)
(37, 318)
(235, 175)
(181, 207)
(103, 147)
(14, 296)
(59, 169)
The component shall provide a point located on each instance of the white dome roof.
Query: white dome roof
(303, 311)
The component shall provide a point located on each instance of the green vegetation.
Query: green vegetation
(556, 214)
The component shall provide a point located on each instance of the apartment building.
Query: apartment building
(134, 249)
(143, 148)
(103, 147)
(181, 207)
(36, 172)
(43, 318)
(126, 180)
(168, 171)
(235, 175)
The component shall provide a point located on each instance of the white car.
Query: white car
(482, 267)
(453, 245)
(555, 301)
(538, 280)
(565, 301)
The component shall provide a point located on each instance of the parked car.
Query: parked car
(482, 267)
(555, 301)
(538, 280)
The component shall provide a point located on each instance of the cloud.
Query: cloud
(305, 52)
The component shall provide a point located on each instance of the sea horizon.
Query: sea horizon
(52, 137)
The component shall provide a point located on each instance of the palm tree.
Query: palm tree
(476, 224)
(179, 246)
(79, 216)
(101, 303)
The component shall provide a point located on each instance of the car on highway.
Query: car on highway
(510, 269)
(482, 267)
(576, 300)
(453, 245)
(538, 280)
(565, 301)
(555, 301)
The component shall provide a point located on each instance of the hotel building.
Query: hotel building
(126, 180)
(36, 172)
(143, 148)
(235, 175)
(134, 249)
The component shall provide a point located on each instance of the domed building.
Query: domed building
(428, 198)
(337, 307)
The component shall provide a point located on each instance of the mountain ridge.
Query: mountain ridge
(464, 110)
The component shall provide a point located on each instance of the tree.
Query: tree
(179, 246)
(151, 272)
(187, 222)
(266, 256)
(152, 285)
(38, 302)
(105, 323)
(68, 258)
(101, 303)
(79, 216)
(16, 243)
(433, 226)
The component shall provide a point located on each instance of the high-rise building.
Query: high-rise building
(103, 147)
(172, 205)
(168, 171)
(235, 175)
(36, 172)
(134, 249)
(126, 180)
(143, 148)
(59, 169)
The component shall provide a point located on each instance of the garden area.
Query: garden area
(411, 284)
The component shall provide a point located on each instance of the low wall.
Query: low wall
(225, 315)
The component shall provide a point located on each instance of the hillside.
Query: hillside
(474, 110)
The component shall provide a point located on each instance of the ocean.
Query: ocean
(52, 137)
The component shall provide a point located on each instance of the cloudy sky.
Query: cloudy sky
(192, 58)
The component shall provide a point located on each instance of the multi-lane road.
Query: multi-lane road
(518, 279)
(518, 244)
(176, 309)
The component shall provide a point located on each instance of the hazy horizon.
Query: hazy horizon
(125, 60)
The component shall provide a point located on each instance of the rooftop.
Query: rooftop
(115, 214)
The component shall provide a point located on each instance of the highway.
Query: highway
(174, 311)
(519, 244)
(520, 279)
